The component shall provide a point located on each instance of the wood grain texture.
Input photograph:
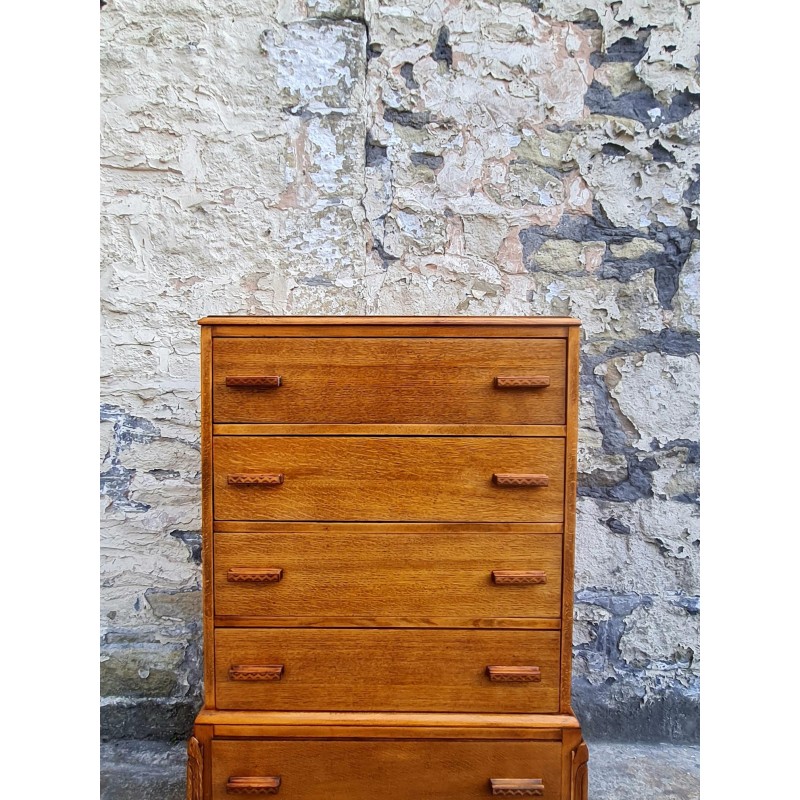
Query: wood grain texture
(255, 672)
(522, 381)
(396, 381)
(243, 785)
(343, 323)
(384, 429)
(351, 332)
(517, 479)
(388, 670)
(425, 528)
(372, 724)
(529, 674)
(194, 770)
(570, 497)
(253, 381)
(519, 577)
(207, 508)
(389, 770)
(517, 787)
(401, 575)
(382, 478)
(381, 533)
(254, 479)
(580, 773)
(253, 575)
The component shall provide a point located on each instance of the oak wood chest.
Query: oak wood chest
(388, 554)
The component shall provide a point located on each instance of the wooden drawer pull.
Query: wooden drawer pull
(517, 787)
(514, 479)
(514, 674)
(256, 672)
(522, 382)
(517, 577)
(269, 785)
(254, 381)
(255, 479)
(242, 575)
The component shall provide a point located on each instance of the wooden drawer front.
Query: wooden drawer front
(390, 769)
(385, 670)
(387, 478)
(387, 575)
(392, 381)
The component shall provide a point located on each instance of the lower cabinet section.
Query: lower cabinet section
(392, 770)
(433, 761)
(301, 669)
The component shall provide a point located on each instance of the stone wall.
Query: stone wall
(424, 157)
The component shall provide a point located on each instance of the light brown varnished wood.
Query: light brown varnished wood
(253, 381)
(399, 575)
(337, 429)
(253, 575)
(355, 573)
(255, 672)
(254, 479)
(517, 479)
(522, 381)
(380, 478)
(580, 773)
(529, 674)
(374, 724)
(517, 787)
(388, 670)
(519, 577)
(207, 509)
(427, 528)
(244, 785)
(389, 381)
(570, 497)
(343, 324)
(194, 770)
(385, 769)
(493, 623)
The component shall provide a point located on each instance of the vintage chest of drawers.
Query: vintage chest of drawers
(388, 548)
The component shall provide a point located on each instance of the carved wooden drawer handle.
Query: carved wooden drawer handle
(517, 787)
(522, 382)
(242, 575)
(269, 785)
(254, 381)
(516, 577)
(514, 674)
(256, 672)
(515, 479)
(255, 479)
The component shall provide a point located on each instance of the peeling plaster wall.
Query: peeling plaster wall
(366, 157)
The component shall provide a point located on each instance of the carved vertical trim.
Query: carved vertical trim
(194, 770)
(580, 772)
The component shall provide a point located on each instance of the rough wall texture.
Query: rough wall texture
(445, 157)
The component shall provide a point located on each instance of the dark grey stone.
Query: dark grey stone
(407, 73)
(427, 160)
(194, 543)
(376, 153)
(638, 105)
(409, 119)
(443, 53)
(150, 718)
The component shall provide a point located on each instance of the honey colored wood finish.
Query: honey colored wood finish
(388, 670)
(388, 555)
(388, 478)
(388, 381)
(404, 576)
(322, 769)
